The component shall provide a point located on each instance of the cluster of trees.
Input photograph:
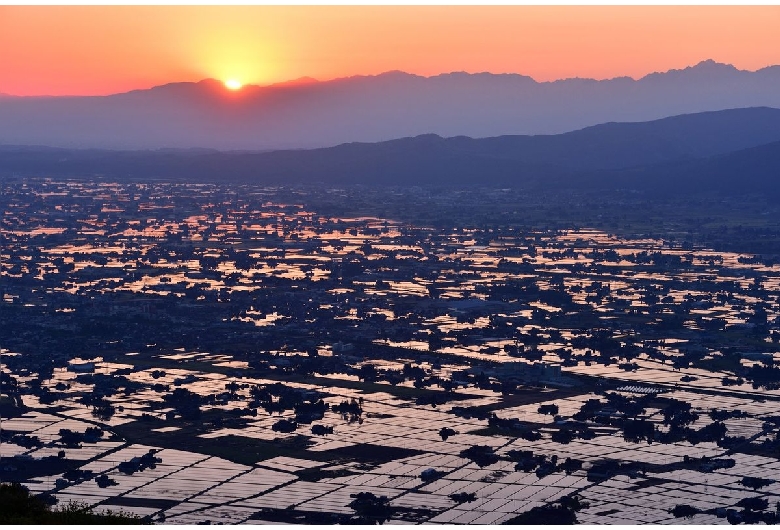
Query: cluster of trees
(70, 438)
(19, 506)
(137, 464)
(754, 511)
(370, 509)
(562, 511)
(482, 455)
(625, 413)
(527, 461)
(514, 426)
(543, 465)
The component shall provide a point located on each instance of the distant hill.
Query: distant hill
(730, 151)
(618, 145)
(306, 113)
(753, 170)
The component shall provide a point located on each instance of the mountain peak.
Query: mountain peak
(395, 74)
(711, 64)
(175, 85)
(707, 67)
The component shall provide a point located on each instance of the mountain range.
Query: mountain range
(307, 114)
(729, 151)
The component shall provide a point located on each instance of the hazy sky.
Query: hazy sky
(106, 49)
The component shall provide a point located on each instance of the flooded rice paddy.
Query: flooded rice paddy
(205, 353)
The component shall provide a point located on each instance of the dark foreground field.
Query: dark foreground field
(242, 353)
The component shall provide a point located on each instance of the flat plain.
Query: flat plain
(247, 354)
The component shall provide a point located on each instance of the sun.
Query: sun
(233, 84)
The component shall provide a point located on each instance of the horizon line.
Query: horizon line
(307, 80)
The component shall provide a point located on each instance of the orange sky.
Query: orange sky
(99, 50)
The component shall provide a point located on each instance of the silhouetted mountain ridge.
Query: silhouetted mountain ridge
(723, 150)
(310, 113)
(613, 145)
(750, 170)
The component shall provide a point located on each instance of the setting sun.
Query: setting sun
(233, 84)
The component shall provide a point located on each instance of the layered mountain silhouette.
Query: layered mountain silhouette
(306, 113)
(730, 151)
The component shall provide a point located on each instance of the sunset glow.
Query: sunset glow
(60, 50)
(403, 264)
